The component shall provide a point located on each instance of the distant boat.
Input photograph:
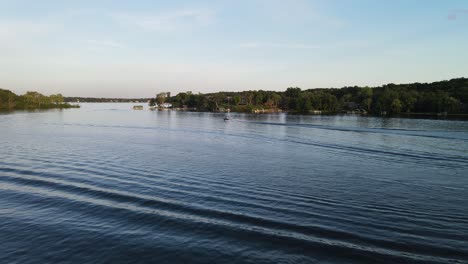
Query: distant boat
(226, 118)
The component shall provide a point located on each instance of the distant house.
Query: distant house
(165, 105)
(137, 107)
(243, 101)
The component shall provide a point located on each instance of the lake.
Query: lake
(107, 184)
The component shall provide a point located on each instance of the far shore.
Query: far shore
(410, 115)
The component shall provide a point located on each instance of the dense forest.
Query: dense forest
(447, 97)
(30, 101)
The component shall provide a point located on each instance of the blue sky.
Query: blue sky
(138, 48)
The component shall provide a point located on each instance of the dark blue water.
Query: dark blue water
(106, 184)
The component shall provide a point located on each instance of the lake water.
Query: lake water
(107, 184)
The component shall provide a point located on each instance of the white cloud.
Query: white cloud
(278, 45)
(166, 22)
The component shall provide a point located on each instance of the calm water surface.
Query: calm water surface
(106, 184)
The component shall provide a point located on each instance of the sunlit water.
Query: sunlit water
(106, 184)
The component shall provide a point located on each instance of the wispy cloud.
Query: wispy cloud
(12, 30)
(101, 43)
(254, 45)
(301, 12)
(455, 14)
(168, 21)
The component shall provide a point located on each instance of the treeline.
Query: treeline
(439, 97)
(105, 100)
(30, 101)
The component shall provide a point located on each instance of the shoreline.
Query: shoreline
(435, 116)
(33, 109)
(439, 116)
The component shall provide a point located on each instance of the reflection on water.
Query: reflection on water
(107, 184)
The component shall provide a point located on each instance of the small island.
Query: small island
(9, 101)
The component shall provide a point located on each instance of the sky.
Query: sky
(120, 48)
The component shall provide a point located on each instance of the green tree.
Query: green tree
(366, 98)
(276, 98)
(161, 98)
(152, 102)
(237, 99)
(396, 106)
(56, 98)
(303, 103)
